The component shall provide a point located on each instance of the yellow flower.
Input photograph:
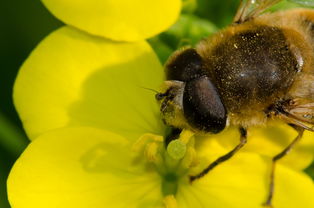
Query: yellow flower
(121, 20)
(82, 103)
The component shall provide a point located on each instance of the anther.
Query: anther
(170, 201)
(151, 151)
(144, 139)
(190, 159)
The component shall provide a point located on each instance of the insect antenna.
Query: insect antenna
(149, 89)
(159, 95)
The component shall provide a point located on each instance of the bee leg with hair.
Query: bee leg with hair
(300, 131)
(243, 140)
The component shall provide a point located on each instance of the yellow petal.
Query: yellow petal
(95, 168)
(268, 141)
(74, 79)
(243, 182)
(117, 19)
(90, 168)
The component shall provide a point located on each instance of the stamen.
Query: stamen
(170, 202)
(144, 139)
(172, 163)
(186, 135)
(152, 147)
(190, 159)
(151, 151)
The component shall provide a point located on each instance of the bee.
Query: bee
(259, 68)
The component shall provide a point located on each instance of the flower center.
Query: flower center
(172, 163)
(169, 184)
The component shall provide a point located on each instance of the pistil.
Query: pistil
(172, 162)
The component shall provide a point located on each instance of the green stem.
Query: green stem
(11, 137)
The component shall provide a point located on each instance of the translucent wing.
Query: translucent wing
(251, 8)
(299, 112)
(309, 3)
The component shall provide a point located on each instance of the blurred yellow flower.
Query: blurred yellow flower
(121, 20)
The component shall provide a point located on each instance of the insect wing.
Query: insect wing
(300, 113)
(251, 8)
(304, 113)
(309, 3)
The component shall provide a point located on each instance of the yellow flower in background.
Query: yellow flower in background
(82, 103)
(121, 20)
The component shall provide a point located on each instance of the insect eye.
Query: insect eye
(184, 66)
(203, 107)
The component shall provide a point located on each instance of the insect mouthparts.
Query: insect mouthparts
(160, 96)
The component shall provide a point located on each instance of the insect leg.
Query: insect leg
(243, 140)
(300, 131)
(173, 134)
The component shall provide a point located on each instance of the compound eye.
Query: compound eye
(203, 107)
(184, 65)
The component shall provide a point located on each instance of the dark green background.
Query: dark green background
(24, 23)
